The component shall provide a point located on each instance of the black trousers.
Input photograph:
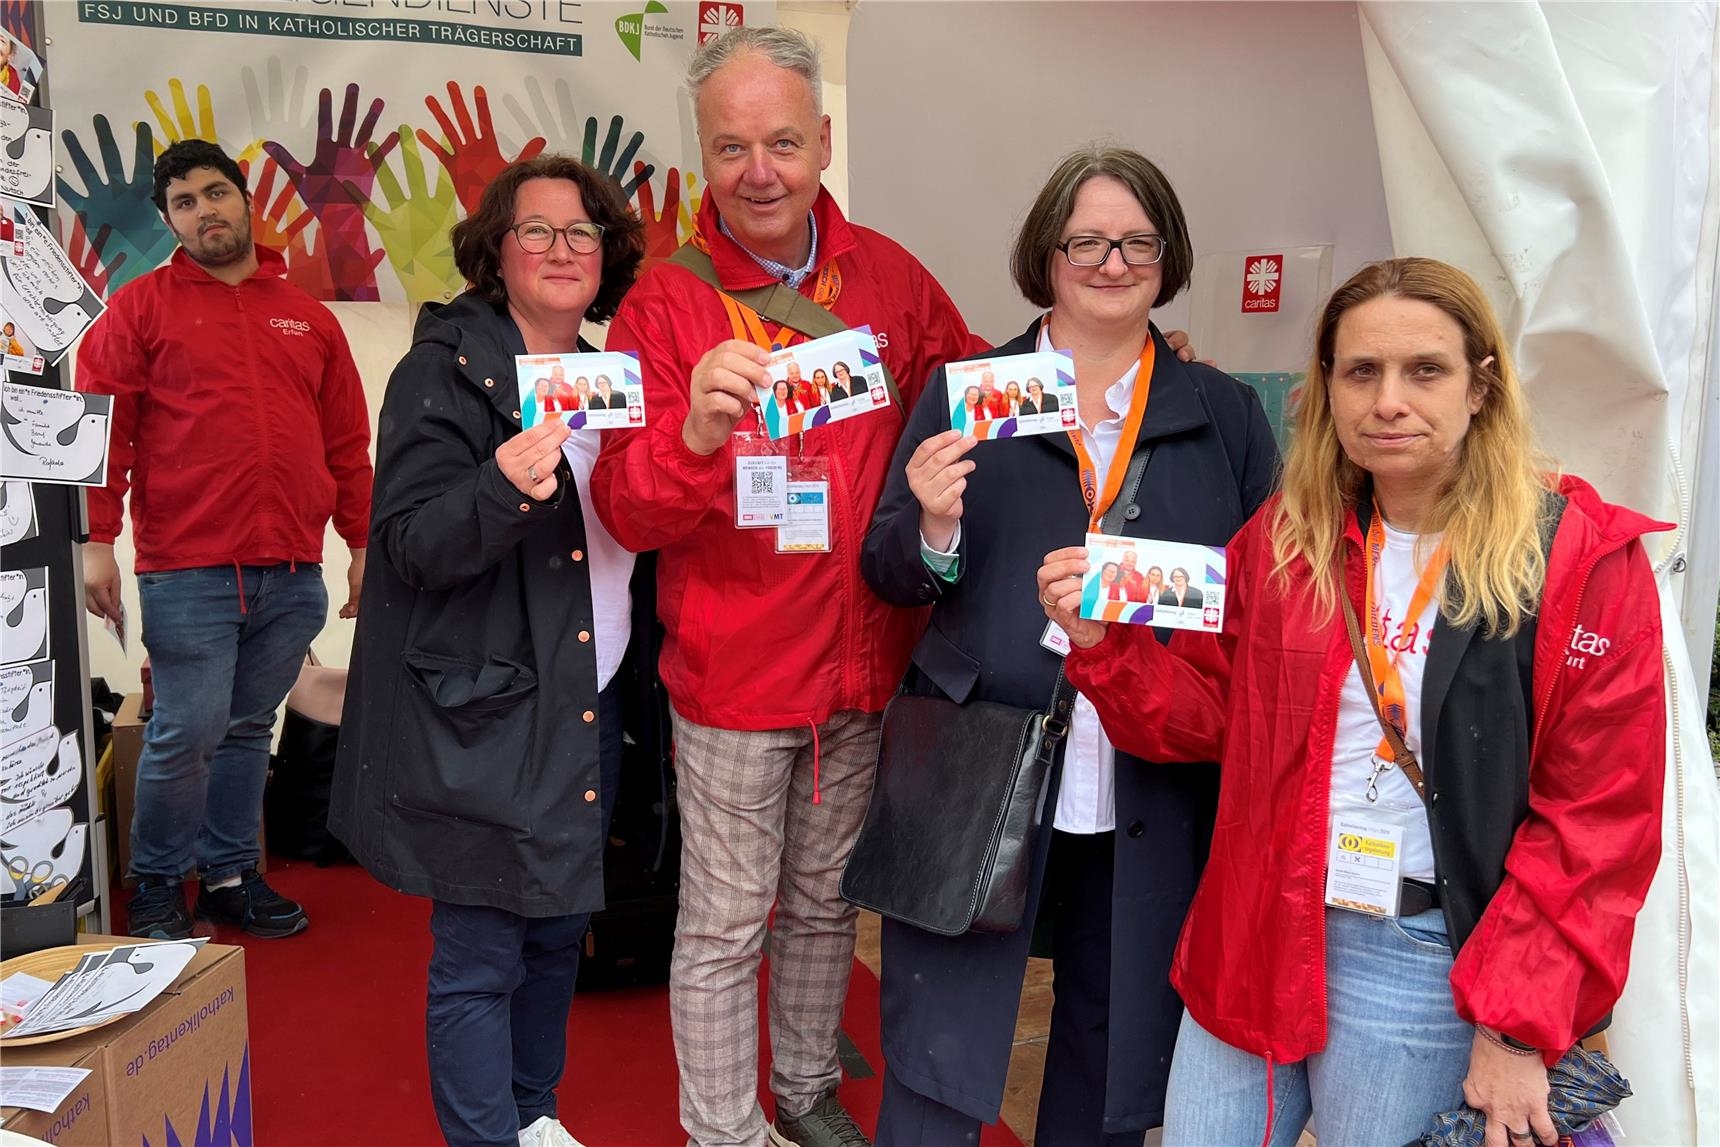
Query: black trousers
(1077, 889)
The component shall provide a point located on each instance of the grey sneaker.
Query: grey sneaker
(828, 1124)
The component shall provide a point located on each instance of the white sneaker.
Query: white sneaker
(547, 1132)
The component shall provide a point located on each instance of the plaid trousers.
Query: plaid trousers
(752, 838)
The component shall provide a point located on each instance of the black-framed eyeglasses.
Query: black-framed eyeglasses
(536, 238)
(1093, 250)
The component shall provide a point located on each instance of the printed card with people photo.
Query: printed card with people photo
(1013, 396)
(1141, 581)
(823, 381)
(597, 391)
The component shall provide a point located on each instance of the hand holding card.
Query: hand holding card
(724, 384)
(1059, 582)
(937, 475)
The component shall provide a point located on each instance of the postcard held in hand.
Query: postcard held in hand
(826, 380)
(597, 391)
(1140, 581)
(1012, 396)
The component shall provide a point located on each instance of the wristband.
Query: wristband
(1499, 1039)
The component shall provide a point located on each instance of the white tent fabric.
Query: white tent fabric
(1563, 155)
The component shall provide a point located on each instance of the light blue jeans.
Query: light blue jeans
(222, 658)
(1396, 1051)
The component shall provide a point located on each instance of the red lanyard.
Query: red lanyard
(1382, 660)
(1098, 502)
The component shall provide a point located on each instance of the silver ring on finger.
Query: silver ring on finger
(531, 472)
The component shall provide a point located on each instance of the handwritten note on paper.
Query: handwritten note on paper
(58, 436)
(107, 984)
(38, 773)
(27, 153)
(23, 615)
(17, 513)
(43, 293)
(39, 1088)
(26, 700)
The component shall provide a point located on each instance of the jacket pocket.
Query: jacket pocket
(467, 733)
(946, 665)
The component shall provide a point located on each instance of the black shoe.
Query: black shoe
(253, 906)
(157, 910)
(828, 1124)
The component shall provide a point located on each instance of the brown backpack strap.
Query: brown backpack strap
(1405, 760)
(779, 303)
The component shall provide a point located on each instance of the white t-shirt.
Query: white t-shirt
(610, 566)
(1358, 734)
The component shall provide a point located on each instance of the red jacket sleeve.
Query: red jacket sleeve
(110, 361)
(648, 488)
(346, 441)
(1166, 702)
(1550, 954)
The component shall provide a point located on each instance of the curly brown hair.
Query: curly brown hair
(478, 237)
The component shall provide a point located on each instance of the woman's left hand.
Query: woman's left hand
(1511, 1090)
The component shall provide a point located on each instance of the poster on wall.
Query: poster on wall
(1253, 313)
(27, 153)
(367, 131)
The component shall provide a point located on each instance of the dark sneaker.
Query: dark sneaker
(828, 1124)
(157, 910)
(253, 906)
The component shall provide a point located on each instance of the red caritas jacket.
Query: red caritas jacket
(757, 639)
(1547, 958)
(239, 421)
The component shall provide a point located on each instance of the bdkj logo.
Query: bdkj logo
(715, 19)
(635, 28)
(1262, 280)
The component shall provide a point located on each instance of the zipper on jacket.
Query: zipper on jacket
(850, 599)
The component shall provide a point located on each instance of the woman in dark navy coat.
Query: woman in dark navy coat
(1122, 841)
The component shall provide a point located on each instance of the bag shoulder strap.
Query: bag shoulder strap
(778, 302)
(1063, 693)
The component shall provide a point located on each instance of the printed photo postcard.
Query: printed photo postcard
(1013, 396)
(598, 391)
(1140, 581)
(823, 381)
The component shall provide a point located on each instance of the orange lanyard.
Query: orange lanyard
(1099, 501)
(748, 325)
(1381, 659)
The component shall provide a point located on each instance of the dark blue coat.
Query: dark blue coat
(949, 1003)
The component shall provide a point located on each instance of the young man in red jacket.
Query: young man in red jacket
(239, 426)
(778, 665)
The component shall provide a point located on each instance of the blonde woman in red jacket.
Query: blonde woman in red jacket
(1512, 630)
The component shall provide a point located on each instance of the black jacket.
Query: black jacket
(468, 760)
(949, 1003)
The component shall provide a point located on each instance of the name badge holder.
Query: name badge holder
(761, 480)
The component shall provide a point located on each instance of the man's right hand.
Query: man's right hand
(724, 388)
(101, 581)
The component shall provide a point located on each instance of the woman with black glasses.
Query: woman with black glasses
(963, 527)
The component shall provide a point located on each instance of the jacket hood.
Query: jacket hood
(737, 270)
(1611, 523)
(469, 316)
(270, 265)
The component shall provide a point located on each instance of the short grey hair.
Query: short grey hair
(787, 48)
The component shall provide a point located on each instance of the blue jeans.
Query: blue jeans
(500, 989)
(1396, 1051)
(223, 652)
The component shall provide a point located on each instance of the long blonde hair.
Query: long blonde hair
(1489, 513)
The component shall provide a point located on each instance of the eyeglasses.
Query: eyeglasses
(537, 238)
(1093, 250)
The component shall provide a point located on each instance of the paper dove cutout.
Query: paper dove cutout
(78, 455)
(47, 851)
(37, 786)
(19, 721)
(17, 512)
(25, 628)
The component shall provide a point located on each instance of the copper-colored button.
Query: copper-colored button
(462, 360)
(524, 506)
(589, 716)
(585, 635)
(578, 555)
(489, 382)
(590, 795)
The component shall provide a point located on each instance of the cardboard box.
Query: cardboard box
(128, 726)
(179, 1071)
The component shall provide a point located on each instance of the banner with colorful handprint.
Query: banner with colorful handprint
(368, 129)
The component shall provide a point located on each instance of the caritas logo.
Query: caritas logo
(715, 19)
(1262, 281)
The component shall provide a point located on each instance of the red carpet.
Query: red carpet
(337, 1032)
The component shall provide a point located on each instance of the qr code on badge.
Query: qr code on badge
(763, 482)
